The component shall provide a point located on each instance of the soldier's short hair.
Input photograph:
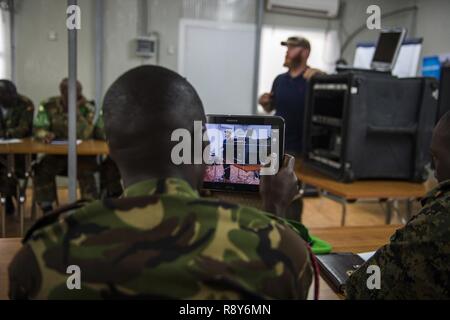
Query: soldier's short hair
(8, 87)
(142, 109)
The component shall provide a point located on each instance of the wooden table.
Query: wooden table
(344, 193)
(356, 239)
(29, 147)
(351, 239)
(347, 239)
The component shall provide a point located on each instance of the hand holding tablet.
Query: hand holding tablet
(278, 191)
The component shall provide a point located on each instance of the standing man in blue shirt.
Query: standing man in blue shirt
(289, 92)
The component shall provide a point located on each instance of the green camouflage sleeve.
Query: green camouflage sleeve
(414, 265)
(42, 123)
(25, 121)
(99, 131)
(85, 122)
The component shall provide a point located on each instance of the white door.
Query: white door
(218, 59)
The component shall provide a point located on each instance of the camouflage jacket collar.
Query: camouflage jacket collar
(168, 186)
(440, 189)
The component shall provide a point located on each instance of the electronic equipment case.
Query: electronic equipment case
(370, 125)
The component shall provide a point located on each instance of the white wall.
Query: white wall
(5, 45)
(163, 18)
(354, 15)
(121, 27)
(41, 62)
(433, 24)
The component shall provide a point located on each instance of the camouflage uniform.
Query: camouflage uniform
(416, 262)
(161, 240)
(53, 118)
(17, 123)
(110, 179)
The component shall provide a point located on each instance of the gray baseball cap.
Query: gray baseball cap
(297, 42)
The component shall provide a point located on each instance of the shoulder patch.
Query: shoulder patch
(311, 72)
(441, 190)
(51, 218)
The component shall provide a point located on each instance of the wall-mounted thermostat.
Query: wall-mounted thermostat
(147, 47)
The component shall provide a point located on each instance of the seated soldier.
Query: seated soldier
(16, 122)
(51, 124)
(161, 239)
(416, 262)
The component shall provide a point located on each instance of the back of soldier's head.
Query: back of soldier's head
(64, 87)
(440, 148)
(141, 110)
(8, 91)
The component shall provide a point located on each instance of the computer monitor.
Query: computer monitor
(444, 91)
(388, 47)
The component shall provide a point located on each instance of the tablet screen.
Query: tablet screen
(239, 153)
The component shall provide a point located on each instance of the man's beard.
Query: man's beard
(293, 63)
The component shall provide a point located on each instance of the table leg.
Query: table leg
(22, 194)
(33, 209)
(10, 166)
(340, 200)
(21, 213)
(344, 213)
(389, 209)
(10, 175)
(3, 210)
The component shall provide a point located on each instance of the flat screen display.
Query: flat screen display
(239, 151)
(387, 47)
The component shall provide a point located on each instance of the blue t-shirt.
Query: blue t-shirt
(289, 100)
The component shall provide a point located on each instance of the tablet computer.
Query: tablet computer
(241, 150)
(388, 47)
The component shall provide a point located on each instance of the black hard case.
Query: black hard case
(382, 129)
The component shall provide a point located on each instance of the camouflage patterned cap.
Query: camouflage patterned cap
(297, 42)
